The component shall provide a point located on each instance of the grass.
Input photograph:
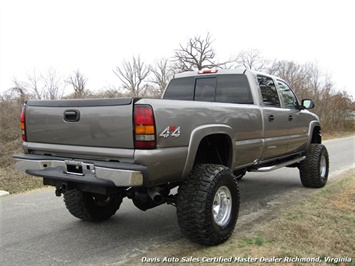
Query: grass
(336, 135)
(17, 182)
(11, 180)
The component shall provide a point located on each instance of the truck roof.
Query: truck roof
(214, 71)
(218, 71)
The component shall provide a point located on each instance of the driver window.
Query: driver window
(288, 98)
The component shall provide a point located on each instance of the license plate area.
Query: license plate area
(78, 168)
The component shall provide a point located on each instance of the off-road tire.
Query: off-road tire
(197, 206)
(315, 168)
(91, 207)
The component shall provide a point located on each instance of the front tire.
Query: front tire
(315, 168)
(208, 204)
(91, 207)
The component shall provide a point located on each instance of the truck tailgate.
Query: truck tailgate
(90, 122)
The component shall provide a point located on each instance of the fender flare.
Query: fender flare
(312, 126)
(195, 139)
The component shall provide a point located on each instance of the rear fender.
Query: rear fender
(195, 139)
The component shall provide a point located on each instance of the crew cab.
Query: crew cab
(209, 129)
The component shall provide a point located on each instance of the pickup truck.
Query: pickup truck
(209, 129)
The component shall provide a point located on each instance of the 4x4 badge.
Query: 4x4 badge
(171, 131)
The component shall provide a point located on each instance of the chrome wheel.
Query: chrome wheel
(207, 206)
(323, 167)
(222, 206)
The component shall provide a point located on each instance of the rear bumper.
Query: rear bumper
(100, 173)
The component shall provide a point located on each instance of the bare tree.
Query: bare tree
(132, 74)
(31, 88)
(18, 91)
(196, 54)
(251, 59)
(78, 81)
(295, 74)
(54, 87)
(308, 81)
(39, 86)
(162, 73)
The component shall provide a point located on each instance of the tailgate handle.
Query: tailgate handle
(72, 115)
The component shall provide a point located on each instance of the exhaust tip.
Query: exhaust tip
(156, 196)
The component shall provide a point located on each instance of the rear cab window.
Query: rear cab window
(228, 88)
(205, 89)
(180, 89)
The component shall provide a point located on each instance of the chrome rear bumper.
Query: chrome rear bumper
(81, 171)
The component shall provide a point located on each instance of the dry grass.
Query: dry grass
(17, 182)
(8, 149)
(337, 134)
(11, 180)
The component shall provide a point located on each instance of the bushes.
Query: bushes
(10, 111)
(10, 133)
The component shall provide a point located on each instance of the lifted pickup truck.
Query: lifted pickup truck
(210, 128)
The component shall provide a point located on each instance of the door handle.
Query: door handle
(271, 118)
(290, 118)
(71, 115)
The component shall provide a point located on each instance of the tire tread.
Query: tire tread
(81, 205)
(309, 168)
(194, 193)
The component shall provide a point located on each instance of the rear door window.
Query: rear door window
(268, 91)
(233, 89)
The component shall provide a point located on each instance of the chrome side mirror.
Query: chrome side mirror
(307, 104)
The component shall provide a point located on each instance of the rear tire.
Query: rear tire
(208, 204)
(91, 207)
(315, 168)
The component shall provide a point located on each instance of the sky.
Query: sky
(95, 36)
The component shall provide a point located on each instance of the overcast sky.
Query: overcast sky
(96, 36)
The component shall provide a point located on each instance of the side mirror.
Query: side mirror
(307, 104)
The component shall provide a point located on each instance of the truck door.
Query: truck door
(297, 124)
(275, 119)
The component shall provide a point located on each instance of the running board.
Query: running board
(277, 166)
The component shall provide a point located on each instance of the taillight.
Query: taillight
(144, 127)
(23, 124)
